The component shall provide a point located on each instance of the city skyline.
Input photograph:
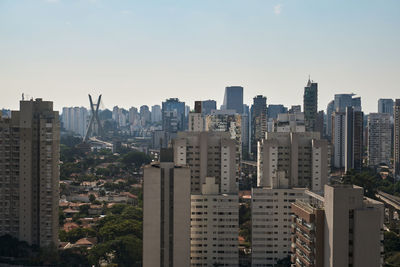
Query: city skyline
(64, 49)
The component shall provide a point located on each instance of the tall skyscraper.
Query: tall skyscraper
(75, 119)
(379, 139)
(343, 228)
(385, 106)
(310, 105)
(245, 131)
(354, 149)
(258, 122)
(320, 123)
(338, 139)
(145, 115)
(166, 213)
(173, 104)
(274, 110)
(156, 115)
(207, 106)
(30, 152)
(233, 98)
(329, 112)
(396, 137)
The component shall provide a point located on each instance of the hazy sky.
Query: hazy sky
(142, 52)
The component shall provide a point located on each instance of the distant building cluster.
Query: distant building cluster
(293, 156)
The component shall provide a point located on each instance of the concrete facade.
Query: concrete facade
(30, 153)
(166, 214)
(209, 154)
(214, 227)
(271, 224)
(379, 139)
(289, 159)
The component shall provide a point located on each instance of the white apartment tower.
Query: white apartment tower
(288, 163)
(339, 139)
(214, 227)
(209, 154)
(166, 213)
(379, 138)
(291, 159)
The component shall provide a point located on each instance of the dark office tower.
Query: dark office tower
(207, 106)
(233, 98)
(29, 173)
(310, 105)
(329, 111)
(385, 106)
(274, 110)
(245, 132)
(258, 121)
(173, 104)
(354, 130)
(396, 137)
(295, 109)
(319, 123)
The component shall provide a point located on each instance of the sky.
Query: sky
(141, 52)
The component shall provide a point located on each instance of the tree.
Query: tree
(92, 198)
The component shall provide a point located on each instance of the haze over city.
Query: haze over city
(142, 52)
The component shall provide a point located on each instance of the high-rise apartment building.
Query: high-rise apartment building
(385, 105)
(166, 213)
(310, 105)
(29, 173)
(156, 115)
(270, 223)
(290, 159)
(233, 99)
(196, 119)
(396, 138)
(209, 154)
(75, 119)
(338, 139)
(354, 149)
(212, 159)
(133, 116)
(379, 139)
(289, 122)
(343, 228)
(145, 115)
(227, 121)
(214, 227)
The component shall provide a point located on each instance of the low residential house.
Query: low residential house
(86, 242)
(70, 226)
(95, 210)
(70, 212)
